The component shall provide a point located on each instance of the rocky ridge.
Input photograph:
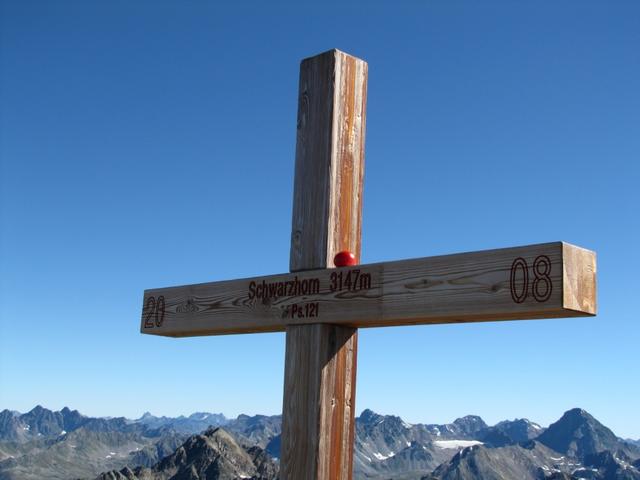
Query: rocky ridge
(576, 446)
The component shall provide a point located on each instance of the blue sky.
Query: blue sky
(148, 144)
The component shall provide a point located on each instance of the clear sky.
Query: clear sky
(151, 143)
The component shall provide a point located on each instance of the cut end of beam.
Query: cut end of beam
(579, 280)
(331, 52)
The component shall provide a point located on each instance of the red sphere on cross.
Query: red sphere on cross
(345, 259)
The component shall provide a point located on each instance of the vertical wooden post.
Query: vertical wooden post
(320, 368)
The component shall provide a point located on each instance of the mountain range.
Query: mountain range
(64, 445)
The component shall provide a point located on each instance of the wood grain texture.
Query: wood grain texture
(465, 287)
(579, 279)
(329, 170)
(319, 400)
(318, 424)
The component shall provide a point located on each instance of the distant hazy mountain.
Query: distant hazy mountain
(195, 422)
(41, 422)
(509, 432)
(258, 430)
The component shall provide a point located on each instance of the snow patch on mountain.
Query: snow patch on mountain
(456, 443)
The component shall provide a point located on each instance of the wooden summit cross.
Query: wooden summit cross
(321, 307)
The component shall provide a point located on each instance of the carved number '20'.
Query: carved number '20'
(154, 312)
(541, 286)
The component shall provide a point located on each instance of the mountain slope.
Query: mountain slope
(65, 444)
(386, 445)
(58, 445)
(577, 446)
(579, 434)
(38, 422)
(213, 455)
(616, 466)
(528, 461)
(412, 461)
(79, 454)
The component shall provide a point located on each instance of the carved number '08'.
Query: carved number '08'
(541, 286)
(154, 308)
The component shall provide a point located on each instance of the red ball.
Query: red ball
(345, 259)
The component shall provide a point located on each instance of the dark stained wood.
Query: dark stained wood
(465, 287)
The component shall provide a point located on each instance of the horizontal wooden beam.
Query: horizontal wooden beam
(538, 281)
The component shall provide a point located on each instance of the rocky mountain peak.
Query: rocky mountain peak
(471, 420)
(577, 413)
(510, 432)
(214, 454)
(470, 425)
(38, 410)
(218, 432)
(369, 416)
(72, 419)
(577, 433)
